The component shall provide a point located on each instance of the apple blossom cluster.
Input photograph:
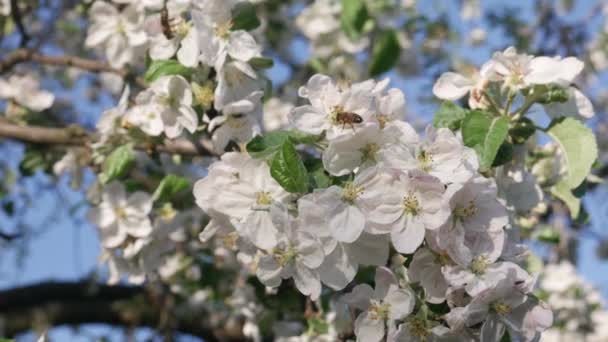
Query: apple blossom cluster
(577, 306)
(421, 196)
(350, 187)
(227, 86)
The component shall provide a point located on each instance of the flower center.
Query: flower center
(369, 152)
(411, 205)
(182, 29)
(229, 240)
(418, 327)
(121, 213)
(378, 310)
(203, 95)
(167, 212)
(425, 159)
(480, 264)
(223, 30)
(263, 198)
(284, 256)
(466, 212)
(351, 192)
(501, 308)
(234, 122)
(383, 119)
(443, 259)
(169, 101)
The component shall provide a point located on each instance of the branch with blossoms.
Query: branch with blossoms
(75, 136)
(27, 55)
(380, 232)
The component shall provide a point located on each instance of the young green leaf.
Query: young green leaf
(170, 186)
(318, 178)
(562, 191)
(385, 53)
(486, 135)
(353, 18)
(117, 164)
(169, 67)
(288, 169)
(261, 63)
(450, 115)
(521, 130)
(578, 146)
(244, 17)
(264, 146)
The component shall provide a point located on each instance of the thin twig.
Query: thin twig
(27, 55)
(16, 15)
(75, 136)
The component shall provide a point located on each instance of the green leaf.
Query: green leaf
(521, 130)
(551, 94)
(170, 186)
(169, 67)
(288, 169)
(318, 178)
(33, 160)
(486, 135)
(578, 146)
(562, 191)
(261, 63)
(385, 53)
(450, 115)
(117, 164)
(548, 235)
(265, 146)
(504, 154)
(244, 17)
(353, 18)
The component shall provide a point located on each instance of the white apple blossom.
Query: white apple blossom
(329, 104)
(248, 193)
(238, 85)
(217, 39)
(519, 71)
(452, 86)
(474, 229)
(276, 114)
(425, 269)
(577, 105)
(503, 306)
(441, 154)
(184, 42)
(120, 215)
(365, 147)
(296, 255)
(345, 209)
(410, 205)
(118, 33)
(25, 91)
(380, 307)
(165, 107)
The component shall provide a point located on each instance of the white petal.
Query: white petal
(242, 46)
(368, 329)
(307, 281)
(452, 86)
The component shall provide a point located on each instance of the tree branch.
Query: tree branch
(76, 303)
(75, 136)
(16, 15)
(27, 55)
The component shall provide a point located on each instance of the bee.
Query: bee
(348, 118)
(166, 23)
